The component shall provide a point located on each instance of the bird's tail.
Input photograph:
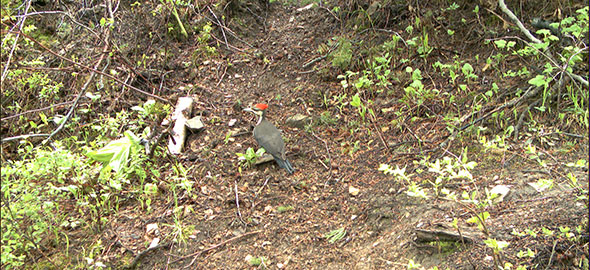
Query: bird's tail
(285, 164)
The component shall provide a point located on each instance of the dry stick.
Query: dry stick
(23, 17)
(222, 31)
(230, 32)
(528, 34)
(238, 201)
(82, 91)
(66, 118)
(222, 75)
(20, 28)
(221, 41)
(197, 254)
(381, 137)
(259, 190)
(521, 118)
(511, 103)
(23, 137)
(552, 253)
(523, 29)
(329, 11)
(95, 70)
(329, 157)
(321, 57)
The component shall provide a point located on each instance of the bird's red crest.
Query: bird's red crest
(261, 106)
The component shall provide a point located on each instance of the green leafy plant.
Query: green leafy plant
(361, 107)
(342, 56)
(116, 154)
(32, 217)
(250, 157)
(415, 92)
(335, 235)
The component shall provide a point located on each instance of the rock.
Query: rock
(502, 191)
(152, 229)
(194, 124)
(353, 191)
(264, 159)
(298, 121)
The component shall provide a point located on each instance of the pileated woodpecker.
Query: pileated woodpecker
(269, 137)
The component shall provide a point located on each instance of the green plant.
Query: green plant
(249, 157)
(203, 49)
(444, 171)
(117, 154)
(282, 209)
(340, 101)
(375, 77)
(361, 107)
(257, 261)
(582, 193)
(32, 217)
(335, 235)
(555, 68)
(415, 92)
(342, 56)
(152, 110)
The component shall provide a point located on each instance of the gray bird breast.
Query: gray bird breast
(269, 137)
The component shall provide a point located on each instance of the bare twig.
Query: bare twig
(198, 253)
(36, 110)
(511, 103)
(321, 57)
(23, 137)
(530, 36)
(238, 200)
(551, 257)
(329, 11)
(94, 70)
(513, 17)
(67, 117)
(232, 33)
(259, 190)
(521, 118)
(20, 23)
(222, 75)
(140, 255)
(381, 136)
(222, 31)
(328, 153)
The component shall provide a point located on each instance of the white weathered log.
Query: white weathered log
(179, 117)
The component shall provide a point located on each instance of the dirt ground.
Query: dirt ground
(381, 221)
(235, 214)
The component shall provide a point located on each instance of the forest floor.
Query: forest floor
(381, 221)
(337, 155)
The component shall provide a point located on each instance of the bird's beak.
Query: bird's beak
(249, 110)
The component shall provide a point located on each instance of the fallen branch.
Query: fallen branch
(530, 36)
(82, 91)
(511, 103)
(513, 17)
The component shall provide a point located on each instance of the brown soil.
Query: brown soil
(381, 220)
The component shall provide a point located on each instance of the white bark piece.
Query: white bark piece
(179, 117)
